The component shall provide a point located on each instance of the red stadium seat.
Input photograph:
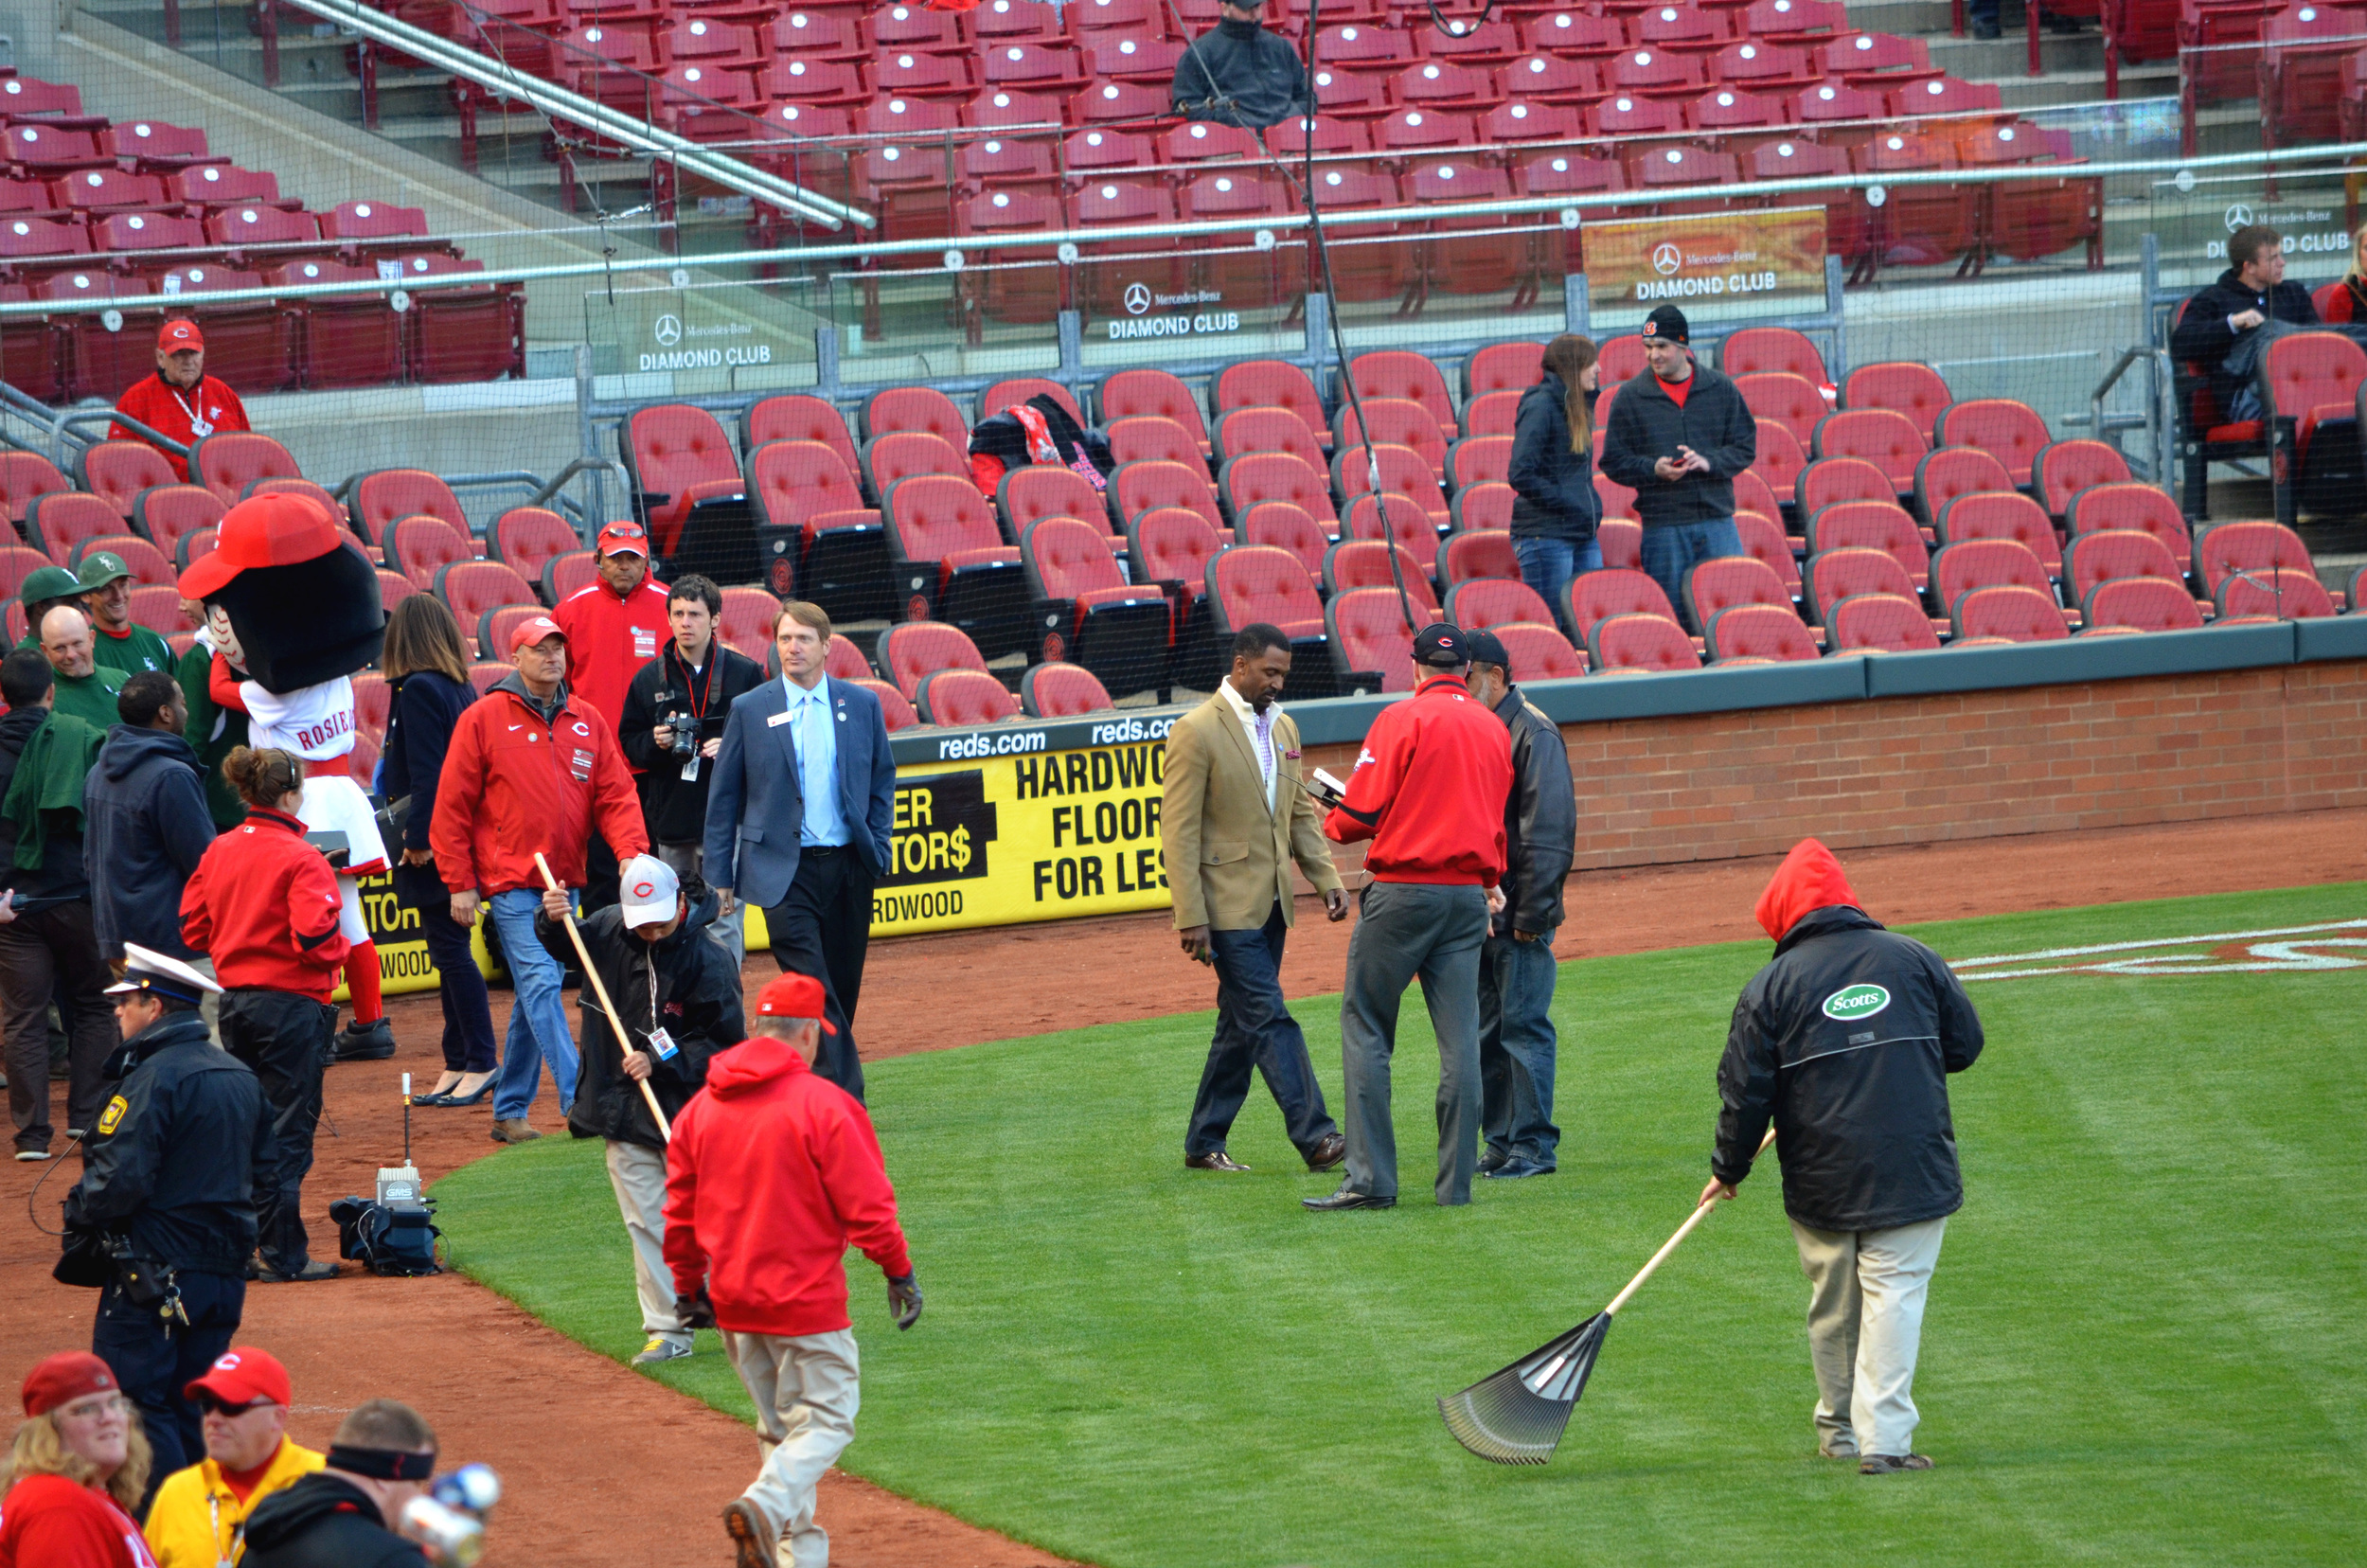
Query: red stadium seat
(492, 629)
(1060, 690)
(1402, 473)
(839, 547)
(384, 495)
(117, 472)
(1251, 584)
(914, 408)
(1491, 414)
(1478, 460)
(1788, 400)
(1159, 392)
(2221, 550)
(1950, 472)
(1971, 563)
(901, 454)
(1718, 585)
(2147, 604)
(1797, 20)
(2005, 428)
(1247, 430)
(745, 623)
(1881, 623)
(1501, 367)
(1763, 67)
(1617, 499)
(527, 537)
(1725, 111)
(1168, 544)
(317, 494)
(950, 561)
(1848, 232)
(2003, 515)
(1538, 652)
(1040, 491)
(1256, 477)
(2133, 505)
(1752, 494)
(961, 697)
(1485, 506)
(1871, 525)
(469, 588)
(1083, 610)
(1641, 643)
(1756, 350)
(1329, 137)
(678, 457)
(1615, 591)
(486, 674)
(1147, 437)
(1269, 383)
(169, 513)
(2112, 554)
(1902, 385)
(1372, 648)
(1400, 373)
(2277, 594)
(1483, 553)
(58, 522)
(17, 562)
(843, 662)
(1397, 422)
(1663, 73)
(563, 575)
(421, 547)
(1140, 487)
(1488, 603)
(1830, 480)
(894, 709)
(1003, 394)
(798, 416)
(1576, 32)
(1355, 563)
(1834, 575)
(1885, 437)
(1286, 526)
(1779, 460)
(2063, 468)
(911, 652)
(1763, 540)
(1633, 114)
(1759, 633)
(1401, 519)
(229, 460)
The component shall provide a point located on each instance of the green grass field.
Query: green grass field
(2146, 1341)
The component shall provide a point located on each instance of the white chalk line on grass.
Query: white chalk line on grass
(2260, 956)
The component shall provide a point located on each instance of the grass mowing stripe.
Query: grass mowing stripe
(2144, 1345)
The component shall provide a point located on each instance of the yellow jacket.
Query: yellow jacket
(198, 1521)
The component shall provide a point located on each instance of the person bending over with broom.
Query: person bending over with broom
(1845, 1041)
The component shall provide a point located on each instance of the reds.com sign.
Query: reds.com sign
(1752, 256)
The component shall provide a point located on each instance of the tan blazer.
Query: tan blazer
(1228, 856)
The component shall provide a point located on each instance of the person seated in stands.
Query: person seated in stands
(1237, 73)
(2348, 303)
(2251, 292)
(180, 400)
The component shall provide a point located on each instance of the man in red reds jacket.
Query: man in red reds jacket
(1429, 792)
(773, 1173)
(614, 627)
(532, 766)
(180, 400)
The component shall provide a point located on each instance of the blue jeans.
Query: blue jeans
(1672, 549)
(1254, 1030)
(1516, 1047)
(1548, 564)
(538, 1021)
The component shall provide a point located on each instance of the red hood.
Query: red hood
(1809, 880)
(754, 1064)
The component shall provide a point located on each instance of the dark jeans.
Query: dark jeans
(1671, 550)
(1548, 564)
(285, 1038)
(467, 1006)
(1516, 1045)
(1254, 1030)
(54, 950)
(155, 1362)
(823, 928)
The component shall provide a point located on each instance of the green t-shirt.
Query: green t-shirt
(141, 649)
(196, 674)
(91, 698)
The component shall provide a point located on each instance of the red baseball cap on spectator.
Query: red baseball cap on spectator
(533, 629)
(795, 996)
(242, 1374)
(624, 539)
(278, 529)
(176, 336)
(64, 1378)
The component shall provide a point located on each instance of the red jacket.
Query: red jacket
(1809, 880)
(49, 1522)
(773, 1174)
(512, 785)
(1429, 789)
(263, 906)
(609, 639)
(165, 408)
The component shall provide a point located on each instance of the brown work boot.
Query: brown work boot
(514, 1131)
(1890, 1463)
(753, 1536)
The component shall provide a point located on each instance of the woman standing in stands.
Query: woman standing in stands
(1555, 510)
(2348, 303)
(75, 1472)
(427, 683)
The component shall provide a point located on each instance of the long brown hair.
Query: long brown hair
(421, 635)
(1568, 357)
(40, 1449)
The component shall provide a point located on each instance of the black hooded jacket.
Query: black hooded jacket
(325, 1521)
(145, 828)
(1540, 820)
(1236, 72)
(2205, 337)
(675, 808)
(1552, 488)
(1845, 1041)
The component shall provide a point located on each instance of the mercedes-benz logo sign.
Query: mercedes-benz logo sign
(1666, 257)
(2237, 216)
(1137, 298)
(667, 330)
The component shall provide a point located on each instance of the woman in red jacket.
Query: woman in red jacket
(2349, 302)
(263, 906)
(75, 1472)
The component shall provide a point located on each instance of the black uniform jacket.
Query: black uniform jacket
(1646, 425)
(1541, 819)
(173, 1159)
(675, 808)
(325, 1521)
(1846, 1039)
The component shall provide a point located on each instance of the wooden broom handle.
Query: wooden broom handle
(616, 1025)
(1699, 1213)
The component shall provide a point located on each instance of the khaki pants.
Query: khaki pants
(806, 1394)
(638, 1175)
(1865, 1321)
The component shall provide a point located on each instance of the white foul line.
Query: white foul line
(2268, 955)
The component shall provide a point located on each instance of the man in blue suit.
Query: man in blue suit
(798, 820)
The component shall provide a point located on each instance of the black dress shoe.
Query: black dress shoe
(360, 1042)
(1329, 1155)
(1347, 1197)
(1216, 1159)
(1491, 1161)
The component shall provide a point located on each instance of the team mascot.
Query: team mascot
(303, 610)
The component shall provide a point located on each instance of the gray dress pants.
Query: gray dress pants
(1405, 930)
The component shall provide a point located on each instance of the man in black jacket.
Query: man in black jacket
(672, 726)
(381, 1457)
(1678, 437)
(1237, 73)
(680, 1001)
(146, 825)
(1845, 1041)
(170, 1169)
(2251, 293)
(1517, 964)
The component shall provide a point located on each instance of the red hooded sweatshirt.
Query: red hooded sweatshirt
(609, 636)
(773, 1174)
(1809, 880)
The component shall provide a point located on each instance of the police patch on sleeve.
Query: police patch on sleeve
(112, 1117)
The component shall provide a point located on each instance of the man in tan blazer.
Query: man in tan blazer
(1233, 819)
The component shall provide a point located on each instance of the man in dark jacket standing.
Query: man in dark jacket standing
(2251, 293)
(1845, 1041)
(146, 825)
(1237, 73)
(678, 996)
(1517, 966)
(1678, 437)
(383, 1456)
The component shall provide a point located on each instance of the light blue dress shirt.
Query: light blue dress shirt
(813, 728)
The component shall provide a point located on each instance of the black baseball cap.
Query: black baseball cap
(1441, 646)
(1666, 322)
(1485, 648)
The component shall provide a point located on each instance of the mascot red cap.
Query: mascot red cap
(301, 596)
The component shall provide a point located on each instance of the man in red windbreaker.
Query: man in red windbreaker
(614, 627)
(180, 400)
(1429, 792)
(773, 1173)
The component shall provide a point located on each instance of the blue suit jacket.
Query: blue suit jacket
(755, 806)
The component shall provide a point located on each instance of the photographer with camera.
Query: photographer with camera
(343, 1516)
(163, 1220)
(671, 728)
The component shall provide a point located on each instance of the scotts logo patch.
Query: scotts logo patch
(1854, 1002)
(112, 1117)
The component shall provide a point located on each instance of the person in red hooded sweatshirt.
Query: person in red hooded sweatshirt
(771, 1174)
(180, 400)
(1844, 1040)
(614, 627)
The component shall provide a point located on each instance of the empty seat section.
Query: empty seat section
(169, 513)
(1365, 564)
(1790, 400)
(911, 652)
(1372, 648)
(1882, 437)
(1284, 526)
(1882, 623)
(1400, 373)
(837, 546)
(1754, 350)
(1084, 610)
(1394, 421)
(228, 461)
(1128, 393)
(1402, 473)
(1039, 490)
(1060, 690)
(1470, 554)
(469, 588)
(117, 472)
(1903, 386)
(679, 459)
(1484, 506)
(1139, 486)
(527, 537)
(1269, 383)
(914, 408)
(746, 622)
(1950, 472)
(382, 496)
(1396, 517)
(421, 547)
(1758, 633)
(2221, 550)
(798, 416)
(1538, 652)
(2008, 614)
(1254, 478)
(1147, 437)
(1764, 539)
(2277, 594)
(2008, 430)
(956, 697)
(900, 455)
(1725, 582)
(2145, 604)
(1244, 430)
(58, 522)
(1496, 601)
(1615, 591)
(1971, 563)
(1830, 480)
(1832, 576)
(951, 564)
(2003, 515)
(2062, 469)
(1640, 643)
(1871, 525)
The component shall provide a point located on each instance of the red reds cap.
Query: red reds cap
(624, 539)
(243, 1376)
(275, 529)
(176, 336)
(795, 996)
(64, 1378)
(533, 629)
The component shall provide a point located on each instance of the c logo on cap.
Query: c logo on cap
(228, 1361)
(643, 890)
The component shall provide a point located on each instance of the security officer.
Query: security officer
(169, 1180)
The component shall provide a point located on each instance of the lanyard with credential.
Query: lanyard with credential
(199, 425)
(238, 1532)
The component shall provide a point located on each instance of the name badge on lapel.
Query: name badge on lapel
(777, 720)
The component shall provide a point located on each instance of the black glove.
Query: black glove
(695, 1312)
(904, 1299)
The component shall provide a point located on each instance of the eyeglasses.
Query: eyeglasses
(213, 1407)
(97, 1407)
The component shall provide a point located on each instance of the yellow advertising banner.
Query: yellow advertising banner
(402, 961)
(1754, 256)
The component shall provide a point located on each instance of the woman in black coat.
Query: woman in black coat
(1555, 510)
(427, 676)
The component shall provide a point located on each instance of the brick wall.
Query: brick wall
(1972, 765)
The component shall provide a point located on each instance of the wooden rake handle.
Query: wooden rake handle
(1699, 1213)
(616, 1025)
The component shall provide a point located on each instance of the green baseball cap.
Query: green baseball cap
(99, 568)
(51, 582)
